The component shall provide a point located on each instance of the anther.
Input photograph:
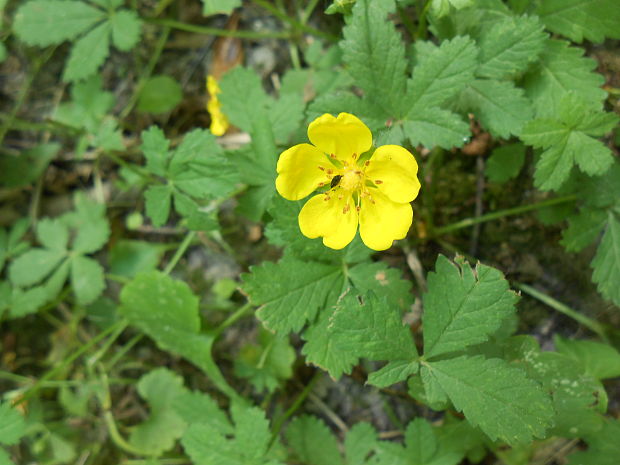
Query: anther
(326, 198)
(329, 171)
(321, 184)
(321, 168)
(346, 209)
(358, 208)
(354, 156)
(378, 181)
(331, 155)
(367, 162)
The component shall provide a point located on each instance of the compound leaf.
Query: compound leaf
(87, 279)
(312, 441)
(12, 425)
(125, 29)
(88, 53)
(606, 262)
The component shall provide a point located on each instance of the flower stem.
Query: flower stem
(501, 214)
(180, 251)
(589, 323)
(239, 313)
(212, 31)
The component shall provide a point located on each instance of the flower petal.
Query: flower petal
(299, 173)
(396, 170)
(334, 219)
(384, 221)
(342, 136)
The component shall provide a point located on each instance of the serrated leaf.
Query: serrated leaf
(312, 441)
(158, 199)
(509, 46)
(600, 360)
(562, 69)
(28, 166)
(495, 397)
(158, 433)
(53, 234)
(578, 19)
(196, 407)
(207, 446)
(463, 307)
(499, 105)
(374, 53)
(442, 74)
(34, 265)
(129, 257)
(88, 53)
(371, 329)
(291, 292)
(285, 115)
(441, 8)
(12, 425)
(50, 22)
(91, 224)
(212, 7)
(436, 127)
(87, 279)
(384, 282)
(606, 262)
(360, 440)
(505, 162)
(243, 98)
(125, 29)
(392, 373)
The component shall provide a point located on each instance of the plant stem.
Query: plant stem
(239, 313)
(74, 356)
(421, 32)
(305, 15)
(212, 31)
(180, 251)
(119, 440)
(589, 323)
(293, 22)
(502, 213)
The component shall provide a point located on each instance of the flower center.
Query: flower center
(351, 179)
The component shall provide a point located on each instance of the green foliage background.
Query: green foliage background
(159, 305)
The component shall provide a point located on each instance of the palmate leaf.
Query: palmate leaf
(581, 19)
(463, 306)
(375, 55)
(312, 441)
(493, 395)
(562, 69)
(88, 53)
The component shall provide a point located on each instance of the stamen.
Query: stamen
(346, 209)
(378, 181)
(329, 171)
(331, 155)
(354, 156)
(321, 168)
(367, 162)
(321, 184)
(358, 208)
(340, 197)
(326, 198)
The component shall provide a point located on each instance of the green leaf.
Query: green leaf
(3, 53)
(212, 7)
(392, 373)
(463, 307)
(158, 204)
(371, 329)
(88, 53)
(494, 396)
(125, 29)
(196, 407)
(155, 147)
(312, 442)
(606, 262)
(129, 257)
(12, 425)
(53, 234)
(286, 115)
(499, 105)
(603, 447)
(384, 282)
(375, 55)
(600, 360)
(505, 162)
(87, 279)
(50, 22)
(441, 8)
(266, 364)
(291, 292)
(243, 99)
(5, 458)
(583, 229)
(93, 230)
(28, 166)
(509, 46)
(206, 445)
(160, 94)
(34, 265)
(360, 440)
(440, 75)
(160, 388)
(436, 127)
(581, 19)
(560, 70)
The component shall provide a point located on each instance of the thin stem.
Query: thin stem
(467, 222)
(121, 353)
(305, 16)
(421, 32)
(74, 356)
(180, 251)
(589, 323)
(277, 424)
(293, 22)
(140, 171)
(239, 313)
(148, 71)
(119, 440)
(212, 31)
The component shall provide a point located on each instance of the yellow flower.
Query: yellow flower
(373, 192)
(219, 122)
